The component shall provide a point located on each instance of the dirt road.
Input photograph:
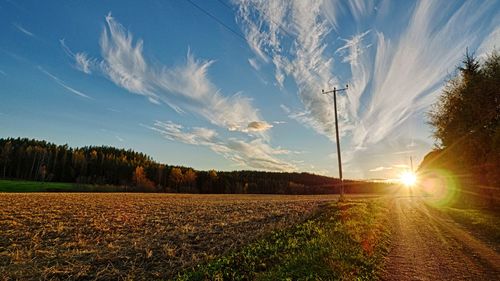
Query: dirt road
(429, 246)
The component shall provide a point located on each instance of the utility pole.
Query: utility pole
(334, 91)
(411, 164)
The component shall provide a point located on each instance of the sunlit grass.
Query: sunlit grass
(346, 241)
(483, 223)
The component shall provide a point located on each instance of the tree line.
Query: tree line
(466, 123)
(36, 160)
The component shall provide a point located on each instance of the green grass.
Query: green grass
(345, 241)
(36, 186)
(483, 223)
(33, 186)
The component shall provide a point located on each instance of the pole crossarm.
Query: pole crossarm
(334, 91)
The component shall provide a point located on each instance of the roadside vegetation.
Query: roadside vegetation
(482, 223)
(466, 125)
(345, 241)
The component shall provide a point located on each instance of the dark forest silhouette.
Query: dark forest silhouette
(466, 122)
(29, 159)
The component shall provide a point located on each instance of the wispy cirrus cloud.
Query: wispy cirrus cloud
(269, 26)
(353, 48)
(379, 169)
(82, 60)
(491, 42)
(253, 62)
(407, 72)
(63, 84)
(23, 30)
(255, 153)
(393, 73)
(184, 87)
(113, 133)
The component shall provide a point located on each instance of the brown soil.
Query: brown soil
(115, 236)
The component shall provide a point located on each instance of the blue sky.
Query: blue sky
(168, 79)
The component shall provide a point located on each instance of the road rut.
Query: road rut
(429, 246)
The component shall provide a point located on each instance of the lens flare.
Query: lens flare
(441, 186)
(408, 178)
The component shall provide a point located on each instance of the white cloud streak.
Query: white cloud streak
(393, 75)
(408, 72)
(254, 154)
(23, 30)
(83, 63)
(492, 42)
(253, 62)
(379, 169)
(353, 48)
(63, 84)
(266, 24)
(82, 60)
(183, 87)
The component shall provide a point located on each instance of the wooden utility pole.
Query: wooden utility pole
(334, 91)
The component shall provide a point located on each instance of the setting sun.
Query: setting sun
(408, 178)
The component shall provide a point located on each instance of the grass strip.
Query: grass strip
(345, 241)
(38, 186)
(485, 224)
(32, 186)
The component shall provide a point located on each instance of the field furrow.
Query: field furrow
(133, 236)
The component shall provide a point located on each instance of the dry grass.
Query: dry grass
(132, 236)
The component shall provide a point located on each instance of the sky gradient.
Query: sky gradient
(233, 85)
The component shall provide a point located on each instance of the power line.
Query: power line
(217, 20)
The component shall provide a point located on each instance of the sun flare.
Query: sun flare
(408, 178)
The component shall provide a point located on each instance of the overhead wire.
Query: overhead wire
(220, 22)
(241, 36)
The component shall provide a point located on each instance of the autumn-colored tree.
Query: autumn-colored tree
(212, 174)
(189, 181)
(190, 177)
(141, 181)
(176, 178)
